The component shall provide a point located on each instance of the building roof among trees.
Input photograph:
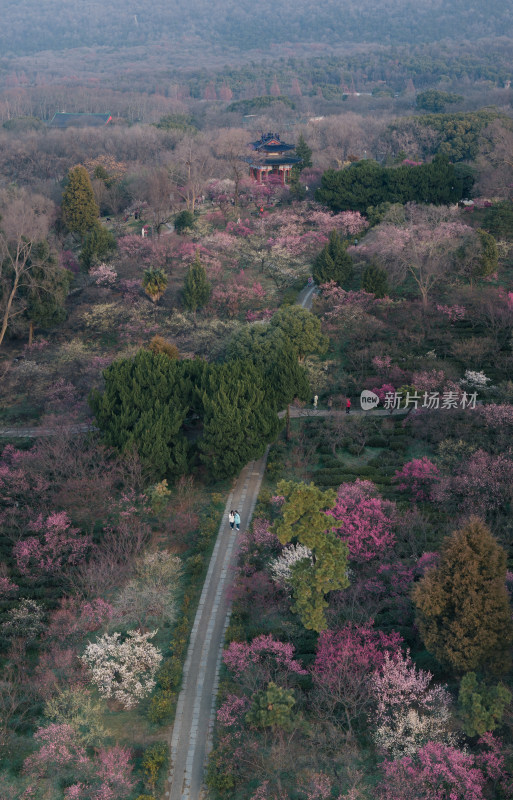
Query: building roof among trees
(271, 143)
(63, 120)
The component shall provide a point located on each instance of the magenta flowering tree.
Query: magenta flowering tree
(260, 538)
(112, 771)
(337, 298)
(94, 614)
(383, 390)
(347, 223)
(363, 520)
(56, 547)
(426, 561)
(344, 665)
(438, 772)
(262, 660)
(418, 477)
(7, 587)
(239, 229)
(491, 760)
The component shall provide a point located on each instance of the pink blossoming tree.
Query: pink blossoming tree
(417, 477)
(363, 520)
(345, 663)
(56, 547)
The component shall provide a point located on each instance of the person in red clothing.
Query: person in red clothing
(348, 405)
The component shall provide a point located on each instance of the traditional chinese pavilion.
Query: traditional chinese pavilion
(271, 157)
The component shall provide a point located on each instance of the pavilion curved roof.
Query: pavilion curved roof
(271, 143)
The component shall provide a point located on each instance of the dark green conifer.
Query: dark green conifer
(239, 417)
(196, 287)
(333, 263)
(144, 405)
(375, 280)
(304, 153)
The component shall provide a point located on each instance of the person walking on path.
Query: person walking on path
(348, 405)
(316, 399)
(231, 518)
(237, 521)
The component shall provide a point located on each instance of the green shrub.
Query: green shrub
(184, 221)
(195, 565)
(289, 297)
(154, 758)
(482, 706)
(161, 705)
(377, 441)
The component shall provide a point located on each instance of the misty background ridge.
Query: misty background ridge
(29, 27)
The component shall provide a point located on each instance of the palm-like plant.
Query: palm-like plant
(154, 283)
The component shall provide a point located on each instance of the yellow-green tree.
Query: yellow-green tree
(79, 209)
(463, 609)
(304, 518)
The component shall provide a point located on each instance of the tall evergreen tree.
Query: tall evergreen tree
(333, 263)
(269, 349)
(196, 287)
(239, 417)
(463, 609)
(304, 519)
(304, 153)
(489, 254)
(98, 243)
(144, 405)
(80, 211)
(375, 280)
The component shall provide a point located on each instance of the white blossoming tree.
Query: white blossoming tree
(410, 712)
(475, 379)
(123, 670)
(281, 567)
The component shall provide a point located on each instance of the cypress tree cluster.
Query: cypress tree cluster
(366, 183)
(178, 414)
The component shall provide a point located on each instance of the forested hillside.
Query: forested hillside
(59, 25)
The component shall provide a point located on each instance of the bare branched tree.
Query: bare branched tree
(24, 226)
